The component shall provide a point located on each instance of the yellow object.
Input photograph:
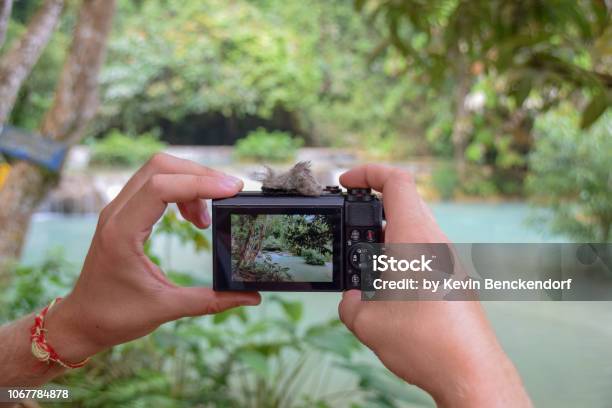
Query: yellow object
(4, 171)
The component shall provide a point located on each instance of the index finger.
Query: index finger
(148, 204)
(397, 186)
(408, 217)
(159, 163)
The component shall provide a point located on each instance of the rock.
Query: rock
(76, 194)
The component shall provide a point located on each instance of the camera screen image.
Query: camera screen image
(282, 248)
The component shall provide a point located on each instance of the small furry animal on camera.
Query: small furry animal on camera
(296, 180)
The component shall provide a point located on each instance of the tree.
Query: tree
(308, 232)
(18, 62)
(534, 45)
(248, 236)
(74, 105)
(6, 6)
(571, 176)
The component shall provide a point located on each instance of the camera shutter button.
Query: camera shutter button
(359, 194)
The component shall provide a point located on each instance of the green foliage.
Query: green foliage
(293, 309)
(570, 175)
(168, 60)
(36, 94)
(241, 357)
(313, 257)
(307, 236)
(262, 145)
(438, 134)
(183, 230)
(173, 62)
(120, 149)
(480, 183)
(32, 286)
(384, 81)
(301, 234)
(272, 243)
(264, 270)
(389, 147)
(535, 45)
(445, 180)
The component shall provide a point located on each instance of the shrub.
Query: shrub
(387, 148)
(120, 149)
(479, 181)
(272, 244)
(300, 234)
(264, 270)
(313, 257)
(445, 180)
(269, 271)
(262, 145)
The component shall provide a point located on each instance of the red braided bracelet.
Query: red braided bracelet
(43, 350)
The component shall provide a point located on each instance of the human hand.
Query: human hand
(446, 348)
(121, 294)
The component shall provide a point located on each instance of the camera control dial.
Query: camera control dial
(360, 256)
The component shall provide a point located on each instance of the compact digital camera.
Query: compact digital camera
(270, 241)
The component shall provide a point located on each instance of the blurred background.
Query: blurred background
(498, 108)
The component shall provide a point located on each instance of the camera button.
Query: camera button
(335, 189)
(355, 235)
(370, 235)
(360, 256)
(355, 279)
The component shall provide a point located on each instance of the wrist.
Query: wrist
(486, 380)
(65, 335)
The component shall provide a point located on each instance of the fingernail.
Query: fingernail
(205, 217)
(231, 182)
(250, 302)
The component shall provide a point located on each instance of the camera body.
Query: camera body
(273, 241)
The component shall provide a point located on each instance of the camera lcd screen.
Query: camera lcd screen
(293, 246)
(282, 247)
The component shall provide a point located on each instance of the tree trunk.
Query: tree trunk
(74, 105)
(258, 242)
(18, 62)
(76, 96)
(245, 243)
(462, 126)
(6, 6)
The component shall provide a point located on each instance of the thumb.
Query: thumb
(198, 301)
(349, 306)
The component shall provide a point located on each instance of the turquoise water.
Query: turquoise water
(504, 222)
(562, 350)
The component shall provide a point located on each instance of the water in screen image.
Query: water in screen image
(282, 248)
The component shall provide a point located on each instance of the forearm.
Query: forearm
(459, 362)
(18, 367)
(493, 383)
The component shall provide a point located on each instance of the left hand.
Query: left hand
(121, 294)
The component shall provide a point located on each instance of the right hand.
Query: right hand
(446, 348)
